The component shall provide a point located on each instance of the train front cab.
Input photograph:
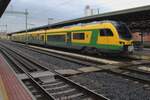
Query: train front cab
(125, 38)
(115, 38)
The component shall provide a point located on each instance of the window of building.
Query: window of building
(106, 32)
(79, 36)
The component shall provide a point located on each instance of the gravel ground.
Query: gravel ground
(113, 87)
(59, 63)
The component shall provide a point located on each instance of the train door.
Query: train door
(110, 36)
(102, 38)
(106, 38)
(69, 39)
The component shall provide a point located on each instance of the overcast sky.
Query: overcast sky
(41, 10)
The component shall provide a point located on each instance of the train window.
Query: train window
(123, 31)
(78, 36)
(106, 32)
(56, 38)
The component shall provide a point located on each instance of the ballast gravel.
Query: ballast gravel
(49, 60)
(113, 86)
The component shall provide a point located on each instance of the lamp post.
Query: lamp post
(142, 40)
(26, 15)
(26, 19)
(4, 30)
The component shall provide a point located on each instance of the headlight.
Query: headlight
(122, 42)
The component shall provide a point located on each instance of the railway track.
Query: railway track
(70, 59)
(46, 88)
(133, 74)
(73, 56)
(125, 71)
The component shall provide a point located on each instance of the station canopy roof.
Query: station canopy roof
(3, 6)
(136, 18)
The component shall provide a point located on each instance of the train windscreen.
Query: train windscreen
(123, 31)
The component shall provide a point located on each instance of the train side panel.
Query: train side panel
(103, 37)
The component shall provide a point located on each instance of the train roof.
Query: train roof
(92, 25)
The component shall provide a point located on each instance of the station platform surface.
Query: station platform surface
(143, 54)
(10, 87)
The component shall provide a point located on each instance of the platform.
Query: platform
(3, 93)
(10, 87)
(75, 55)
(78, 71)
(89, 69)
(142, 54)
(68, 72)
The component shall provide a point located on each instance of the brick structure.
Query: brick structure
(137, 36)
(146, 38)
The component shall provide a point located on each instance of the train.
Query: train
(106, 37)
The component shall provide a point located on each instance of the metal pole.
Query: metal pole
(6, 32)
(142, 40)
(92, 11)
(26, 22)
(6, 28)
(98, 10)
